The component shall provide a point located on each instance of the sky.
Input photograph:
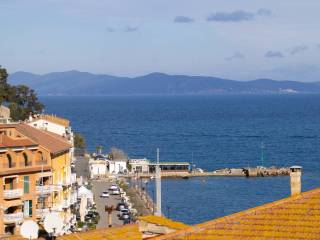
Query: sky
(235, 39)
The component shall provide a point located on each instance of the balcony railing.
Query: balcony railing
(40, 213)
(11, 194)
(73, 178)
(12, 165)
(40, 163)
(13, 217)
(57, 188)
(66, 181)
(46, 189)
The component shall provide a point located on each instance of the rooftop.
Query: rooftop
(53, 119)
(53, 142)
(296, 217)
(128, 232)
(163, 222)
(170, 163)
(6, 141)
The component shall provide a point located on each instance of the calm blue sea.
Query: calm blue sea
(212, 132)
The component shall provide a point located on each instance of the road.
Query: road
(98, 187)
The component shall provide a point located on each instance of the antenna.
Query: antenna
(53, 223)
(158, 185)
(29, 229)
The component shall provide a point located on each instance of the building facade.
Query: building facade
(26, 177)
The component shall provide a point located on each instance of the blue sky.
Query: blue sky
(236, 39)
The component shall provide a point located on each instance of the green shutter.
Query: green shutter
(30, 208)
(26, 184)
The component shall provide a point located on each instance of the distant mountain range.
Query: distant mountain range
(84, 83)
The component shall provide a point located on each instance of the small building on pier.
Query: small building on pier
(170, 167)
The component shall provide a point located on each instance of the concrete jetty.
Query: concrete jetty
(226, 172)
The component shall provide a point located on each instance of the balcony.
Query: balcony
(41, 163)
(40, 213)
(12, 165)
(57, 188)
(73, 178)
(66, 182)
(66, 203)
(13, 217)
(12, 194)
(46, 189)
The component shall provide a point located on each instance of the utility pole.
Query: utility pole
(158, 186)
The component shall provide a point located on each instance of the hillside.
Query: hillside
(83, 83)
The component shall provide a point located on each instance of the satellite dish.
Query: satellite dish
(53, 223)
(29, 229)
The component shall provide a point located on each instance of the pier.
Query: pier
(226, 172)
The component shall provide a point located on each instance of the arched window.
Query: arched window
(25, 157)
(40, 158)
(10, 163)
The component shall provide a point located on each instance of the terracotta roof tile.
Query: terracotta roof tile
(127, 232)
(295, 217)
(53, 142)
(163, 222)
(6, 141)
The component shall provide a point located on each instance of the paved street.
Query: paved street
(98, 187)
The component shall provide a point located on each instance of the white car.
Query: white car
(113, 187)
(115, 192)
(104, 194)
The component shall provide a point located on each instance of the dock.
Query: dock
(226, 172)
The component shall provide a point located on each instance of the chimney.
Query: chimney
(295, 180)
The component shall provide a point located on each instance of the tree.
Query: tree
(4, 86)
(21, 100)
(118, 154)
(79, 141)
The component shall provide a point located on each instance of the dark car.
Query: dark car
(121, 206)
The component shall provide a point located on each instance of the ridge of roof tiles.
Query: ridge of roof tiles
(127, 232)
(296, 217)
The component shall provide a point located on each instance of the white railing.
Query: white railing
(42, 212)
(46, 189)
(73, 178)
(13, 217)
(66, 203)
(73, 199)
(57, 188)
(66, 181)
(14, 193)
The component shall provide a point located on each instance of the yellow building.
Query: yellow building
(59, 149)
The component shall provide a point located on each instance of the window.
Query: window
(10, 165)
(27, 208)
(26, 184)
(25, 157)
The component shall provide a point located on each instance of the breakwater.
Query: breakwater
(226, 172)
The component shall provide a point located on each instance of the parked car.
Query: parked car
(121, 206)
(124, 211)
(104, 194)
(113, 187)
(115, 192)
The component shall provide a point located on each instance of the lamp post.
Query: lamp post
(109, 210)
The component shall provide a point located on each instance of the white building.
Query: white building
(117, 166)
(139, 165)
(98, 168)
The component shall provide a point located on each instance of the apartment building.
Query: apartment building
(26, 179)
(59, 149)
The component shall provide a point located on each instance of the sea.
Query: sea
(211, 132)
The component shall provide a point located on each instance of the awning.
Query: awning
(44, 174)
